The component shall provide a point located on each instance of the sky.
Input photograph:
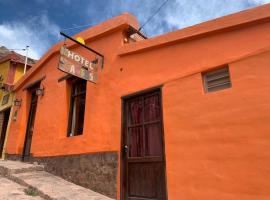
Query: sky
(37, 23)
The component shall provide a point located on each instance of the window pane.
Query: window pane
(135, 142)
(153, 140)
(77, 108)
(151, 108)
(80, 108)
(73, 117)
(80, 87)
(135, 112)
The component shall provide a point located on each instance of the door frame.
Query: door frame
(123, 123)
(30, 91)
(2, 150)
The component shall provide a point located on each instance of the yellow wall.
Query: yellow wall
(4, 68)
(19, 72)
(4, 72)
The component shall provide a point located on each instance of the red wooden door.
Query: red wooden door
(143, 149)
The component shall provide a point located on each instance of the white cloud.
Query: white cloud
(183, 13)
(35, 32)
(39, 32)
(178, 14)
(259, 1)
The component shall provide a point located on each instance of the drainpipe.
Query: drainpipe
(26, 57)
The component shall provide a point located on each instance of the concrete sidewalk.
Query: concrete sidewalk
(10, 190)
(46, 185)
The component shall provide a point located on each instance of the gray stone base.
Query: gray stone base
(96, 171)
(14, 157)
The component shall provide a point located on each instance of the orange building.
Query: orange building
(184, 115)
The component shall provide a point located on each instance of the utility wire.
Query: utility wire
(77, 27)
(149, 19)
(162, 5)
(17, 49)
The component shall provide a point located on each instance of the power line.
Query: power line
(70, 28)
(77, 27)
(150, 18)
(162, 5)
(17, 49)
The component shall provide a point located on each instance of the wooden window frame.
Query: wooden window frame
(218, 86)
(73, 95)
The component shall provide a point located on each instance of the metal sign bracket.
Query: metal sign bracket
(86, 47)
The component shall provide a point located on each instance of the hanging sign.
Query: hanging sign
(75, 64)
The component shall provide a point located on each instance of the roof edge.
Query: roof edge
(13, 56)
(234, 21)
(119, 22)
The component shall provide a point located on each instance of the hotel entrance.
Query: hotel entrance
(143, 162)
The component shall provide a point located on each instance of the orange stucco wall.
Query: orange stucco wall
(216, 144)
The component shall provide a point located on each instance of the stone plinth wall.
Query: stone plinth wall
(97, 171)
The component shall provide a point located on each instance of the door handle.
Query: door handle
(126, 148)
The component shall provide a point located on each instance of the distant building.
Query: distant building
(180, 116)
(4, 51)
(11, 70)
